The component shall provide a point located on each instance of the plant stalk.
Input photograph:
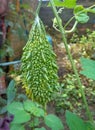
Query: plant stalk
(71, 60)
(38, 8)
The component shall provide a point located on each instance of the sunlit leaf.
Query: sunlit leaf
(78, 8)
(70, 3)
(65, 3)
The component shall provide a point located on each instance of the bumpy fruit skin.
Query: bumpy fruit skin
(39, 69)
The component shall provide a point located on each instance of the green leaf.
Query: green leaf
(14, 107)
(89, 126)
(74, 122)
(66, 3)
(11, 91)
(33, 108)
(78, 8)
(16, 127)
(88, 67)
(20, 115)
(37, 112)
(82, 18)
(22, 97)
(81, 14)
(28, 105)
(3, 110)
(40, 128)
(70, 3)
(53, 122)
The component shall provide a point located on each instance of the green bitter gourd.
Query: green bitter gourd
(39, 68)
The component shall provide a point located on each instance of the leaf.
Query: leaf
(82, 18)
(89, 126)
(88, 68)
(81, 14)
(20, 115)
(40, 128)
(33, 108)
(28, 104)
(70, 3)
(21, 97)
(37, 112)
(16, 127)
(66, 3)
(11, 92)
(53, 122)
(3, 110)
(14, 107)
(78, 8)
(74, 122)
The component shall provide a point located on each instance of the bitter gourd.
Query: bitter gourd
(39, 68)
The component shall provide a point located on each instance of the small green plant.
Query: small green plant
(69, 96)
(89, 37)
(31, 114)
(11, 94)
(75, 38)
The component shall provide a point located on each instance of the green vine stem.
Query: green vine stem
(71, 60)
(67, 31)
(39, 6)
